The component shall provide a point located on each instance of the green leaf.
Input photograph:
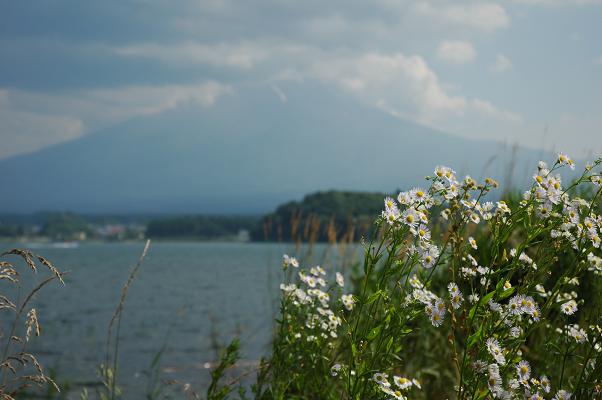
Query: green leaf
(406, 331)
(488, 297)
(372, 298)
(506, 293)
(374, 332)
(484, 300)
(389, 344)
(475, 337)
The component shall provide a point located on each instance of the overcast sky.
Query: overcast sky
(526, 71)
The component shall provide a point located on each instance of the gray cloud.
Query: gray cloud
(32, 120)
(90, 64)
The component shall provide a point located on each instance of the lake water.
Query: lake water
(186, 296)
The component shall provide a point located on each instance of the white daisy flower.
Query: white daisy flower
(452, 288)
(429, 256)
(474, 218)
(523, 370)
(418, 195)
(340, 279)
(456, 300)
(494, 380)
(515, 331)
(391, 215)
(422, 233)
(545, 383)
(401, 382)
(348, 301)
(436, 318)
(473, 298)
(493, 306)
(404, 198)
(496, 351)
(288, 260)
(562, 395)
(381, 379)
(569, 308)
(576, 333)
(410, 217)
(398, 395)
(563, 159)
(390, 204)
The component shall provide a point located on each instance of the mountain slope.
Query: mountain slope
(223, 159)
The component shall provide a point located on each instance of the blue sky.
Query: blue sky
(518, 71)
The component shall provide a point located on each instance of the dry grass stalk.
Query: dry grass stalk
(20, 369)
(110, 374)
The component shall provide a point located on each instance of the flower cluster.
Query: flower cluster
(579, 224)
(312, 297)
(396, 390)
(499, 281)
(411, 211)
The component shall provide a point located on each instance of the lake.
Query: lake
(190, 298)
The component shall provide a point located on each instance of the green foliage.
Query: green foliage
(65, 226)
(457, 298)
(10, 231)
(199, 227)
(348, 213)
(228, 359)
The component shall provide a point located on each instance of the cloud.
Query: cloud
(24, 132)
(406, 87)
(486, 17)
(32, 120)
(242, 55)
(556, 3)
(501, 64)
(456, 52)
(487, 109)
(327, 26)
(598, 60)
(403, 85)
(400, 84)
(131, 101)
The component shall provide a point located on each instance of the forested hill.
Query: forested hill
(322, 216)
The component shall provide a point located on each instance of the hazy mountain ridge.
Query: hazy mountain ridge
(221, 160)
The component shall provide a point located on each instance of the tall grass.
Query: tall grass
(457, 297)
(20, 369)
